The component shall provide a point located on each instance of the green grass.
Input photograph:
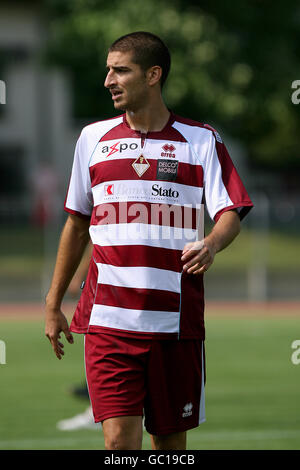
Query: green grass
(277, 250)
(252, 390)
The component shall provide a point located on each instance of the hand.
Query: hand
(56, 322)
(198, 257)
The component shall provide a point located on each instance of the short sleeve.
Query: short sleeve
(79, 199)
(223, 187)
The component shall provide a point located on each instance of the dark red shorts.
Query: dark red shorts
(160, 379)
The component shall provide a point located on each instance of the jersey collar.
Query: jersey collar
(154, 134)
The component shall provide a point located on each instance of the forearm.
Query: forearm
(224, 231)
(198, 256)
(85, 261)
(73, 241)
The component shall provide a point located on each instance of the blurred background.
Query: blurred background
(233, 67)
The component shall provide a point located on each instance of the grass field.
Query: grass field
(252, 390)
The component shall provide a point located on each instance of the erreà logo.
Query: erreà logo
(118, 148)
(169, 148)
(187, 410)
(168, 151)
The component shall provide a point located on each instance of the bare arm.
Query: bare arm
(80, 274)
(199, 256)
(73, 241)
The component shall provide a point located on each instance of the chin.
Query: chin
(120, 106)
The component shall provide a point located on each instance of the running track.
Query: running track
(35, 310)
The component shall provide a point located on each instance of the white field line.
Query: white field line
(224, 435)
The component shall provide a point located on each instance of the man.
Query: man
(138, 182)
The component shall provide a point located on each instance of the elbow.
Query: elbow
(80, 226)
(238, 225)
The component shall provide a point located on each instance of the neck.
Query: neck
(151, 118)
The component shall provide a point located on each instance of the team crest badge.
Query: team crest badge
(141, 165)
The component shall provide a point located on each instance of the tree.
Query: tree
(231, 67)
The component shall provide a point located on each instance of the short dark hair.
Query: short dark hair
(148, 50)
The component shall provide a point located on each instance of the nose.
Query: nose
(110, 79)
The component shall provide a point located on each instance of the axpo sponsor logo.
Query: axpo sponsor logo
(168, 149)
(118, 147)
(2, 92)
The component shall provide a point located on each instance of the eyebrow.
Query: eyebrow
(117, 67)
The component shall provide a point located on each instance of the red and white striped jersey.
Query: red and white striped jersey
(144, 195)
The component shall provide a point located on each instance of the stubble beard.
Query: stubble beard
(135, 103)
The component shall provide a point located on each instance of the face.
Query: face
(126, 81)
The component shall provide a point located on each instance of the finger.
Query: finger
(68, 335)
(192, 252)
(56, 345)
(196, 262)
(187, 247)
(58, 355)
(56, 348)
(188, 254)
(201, 270)
(194, 269)
(192, 247)
(191, 257)
(59, 351)
(201, 266)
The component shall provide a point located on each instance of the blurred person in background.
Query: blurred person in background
(45, 183)
(142, 307)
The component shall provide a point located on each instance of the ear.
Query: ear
(154, 75)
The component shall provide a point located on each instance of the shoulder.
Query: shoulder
(96, 130)
(91, 134)
(194, 128)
